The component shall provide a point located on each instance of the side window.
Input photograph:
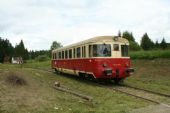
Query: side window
(59, 55)
(66, 54)
(62, 54)
(70, 53)
(74, 53)
(55, 55)
(78, 52)
(90, 51)
(84, 51)
(116, 47)
(125, 50)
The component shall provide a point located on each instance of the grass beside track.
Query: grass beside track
(37, 96)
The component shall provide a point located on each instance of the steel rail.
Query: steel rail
(146, 90)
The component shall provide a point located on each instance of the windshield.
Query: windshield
(101, 50)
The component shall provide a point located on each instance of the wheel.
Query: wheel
(118, 80)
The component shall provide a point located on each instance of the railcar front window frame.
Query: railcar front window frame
(101, 50)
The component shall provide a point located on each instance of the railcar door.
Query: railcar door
(116, 51)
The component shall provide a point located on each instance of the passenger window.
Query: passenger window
(116, 47)
(78, 52)
(70, 53)
(74, 53)
(62, 54)
(90, 51)
(55, 55)
(59, 55)
(84, 51)
(66, 54)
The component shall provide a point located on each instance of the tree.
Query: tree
(156, 44)
(128, 36)
(146, 42)
(163, 44)
(119, 34)
(6, 49)
(56, 45)
(21, 51)
(134, 46)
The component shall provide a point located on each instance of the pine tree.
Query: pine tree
(134, 46)
(21, 51)
(128, 36)
(157, 44)
(146, 42)
(163, 44)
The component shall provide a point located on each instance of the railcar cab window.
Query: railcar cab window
(116, 47)
(101, 50)
(124, 50)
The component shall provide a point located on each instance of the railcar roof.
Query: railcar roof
(95, 39)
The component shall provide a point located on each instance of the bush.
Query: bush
(42, 58)
(134, 46)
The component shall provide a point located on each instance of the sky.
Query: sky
(40, 22)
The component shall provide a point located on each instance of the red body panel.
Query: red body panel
(97, 66)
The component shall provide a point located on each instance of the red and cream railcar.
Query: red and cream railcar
(103, 57)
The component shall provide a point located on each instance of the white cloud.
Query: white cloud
(39, 22)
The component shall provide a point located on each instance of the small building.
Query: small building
(17, 60)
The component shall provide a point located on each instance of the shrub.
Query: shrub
(42, 58)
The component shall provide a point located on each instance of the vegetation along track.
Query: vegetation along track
(148, 95)
(154, 97)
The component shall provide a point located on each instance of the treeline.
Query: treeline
(7, 51)
(145, 44)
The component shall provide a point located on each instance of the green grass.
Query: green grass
(39, 97)
(150, 54)
(37, 64)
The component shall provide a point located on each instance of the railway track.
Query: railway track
(144, 96)
(129, 90)
(146, 90)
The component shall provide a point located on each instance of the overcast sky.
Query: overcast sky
(40, 22)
